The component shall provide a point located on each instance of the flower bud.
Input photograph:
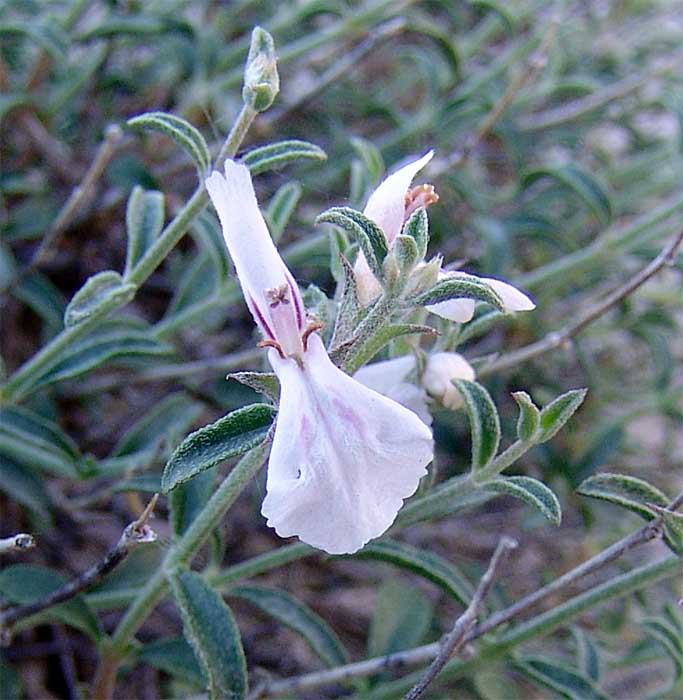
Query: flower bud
(261, 80)
(441, 369)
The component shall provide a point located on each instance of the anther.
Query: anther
(278, 295)
(311, 328)
(271, 344)
(418, 197)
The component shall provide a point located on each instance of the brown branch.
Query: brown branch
(427, 652)
(136, 533)
(454, 640)
(556, 339)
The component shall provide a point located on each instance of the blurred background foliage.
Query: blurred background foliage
(557, 131)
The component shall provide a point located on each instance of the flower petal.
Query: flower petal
(389, 379)
(458, 310)
(259, 267)
(442, 368)
(343, 459)
(513, 298)
(386, 205)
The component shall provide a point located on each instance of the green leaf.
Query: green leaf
(558, 412)
(232, 435)
(144, 222)
(293, 614)
(529, 419)
(370, 237)
(209, 236)
(422, 562)
(629, 492)
(175, 657)
(465, 287)
(349, 309)
(188, 499)
(38, 292)
(417, 227)
(100, 294)
(568, 683)
(406, 252)
(33, 441)
(587, 656)
(583, 184)
(531, 491)
(281, 207)
(371, 159)
(26, 583)
(484, 422)
(281, 153)
(209, 627)
(181, 131)
(23, 486)
(670, 637)
(265, 383)
(401, 619)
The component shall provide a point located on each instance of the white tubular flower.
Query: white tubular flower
(441, 369)
(343, 457)
(462, 310)
(389, 206)
(389, 378)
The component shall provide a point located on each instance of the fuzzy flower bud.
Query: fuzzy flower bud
(261, 79)
(442, 368)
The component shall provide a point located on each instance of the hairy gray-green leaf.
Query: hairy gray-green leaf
(188, 499)
(22, 486)
(209, 627)
(100, 294)
(144, 221)
(181, 131)
(629, 492)
(371, 159)
(465, 287)
(31, 440)
(529, 419)
(298, 617)
(281, 207)
(558, 412)
(370, 237)
(401, 619)
(422, 562)
(406, 252)
(265, 383)
(281, 153)
(27, 583)
(587, 656)
(568, 683)
(349, 309)
(484, 422)
(531, 491)
(229, 436)
(417, 227)
(175, 657)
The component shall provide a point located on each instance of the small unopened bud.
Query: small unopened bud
(261, 80)
(441, 369)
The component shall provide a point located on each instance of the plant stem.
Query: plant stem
(20, 382)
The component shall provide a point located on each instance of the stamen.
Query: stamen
(418, 197)
(311, 328)
(271, 344)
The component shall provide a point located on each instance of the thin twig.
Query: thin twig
(136, 533)
(81, 195)
(455, 639)
(18, 541)
(558, 338)
(427, 652)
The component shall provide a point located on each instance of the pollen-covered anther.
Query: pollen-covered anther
(418, 197)
(312, 327)
(278, 295)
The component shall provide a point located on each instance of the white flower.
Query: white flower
(389, 377)
(441, 369)
(389, 206)
(462, 310)
(343, 457)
